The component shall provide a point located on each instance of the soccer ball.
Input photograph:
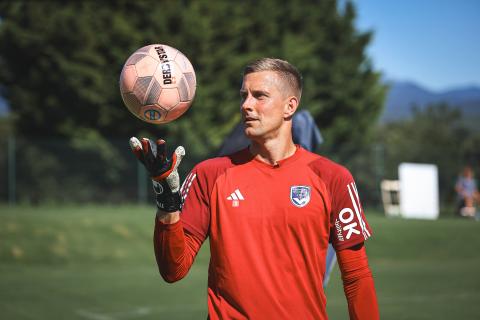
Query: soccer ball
(157, 83)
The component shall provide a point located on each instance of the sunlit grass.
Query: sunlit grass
(97, 261)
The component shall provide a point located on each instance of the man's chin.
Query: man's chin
(250, 133)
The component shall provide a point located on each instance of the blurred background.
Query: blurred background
(386, 83)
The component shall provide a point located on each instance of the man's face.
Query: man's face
(263, 104)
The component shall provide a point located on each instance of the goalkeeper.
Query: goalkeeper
(269, 212)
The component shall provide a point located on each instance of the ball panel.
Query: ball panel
(134, 58)
(128, 78)
(132, 103)
(169, 98)
(150, 50)
(171, 52)
(192, 83)
(154, 92)
(183, 90)
(176, 112)
(141, 87)
(145, 49)
(184, 63)
(146, 66)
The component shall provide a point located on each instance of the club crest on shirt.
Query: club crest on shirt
(300, 195)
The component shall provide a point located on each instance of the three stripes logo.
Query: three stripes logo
(187, 184)
(236, 197)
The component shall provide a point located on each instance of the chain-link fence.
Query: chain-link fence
(56, 170)
(44, 170)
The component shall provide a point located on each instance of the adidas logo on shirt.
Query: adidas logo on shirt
(236, 197)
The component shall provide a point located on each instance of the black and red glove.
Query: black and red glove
(162, 170)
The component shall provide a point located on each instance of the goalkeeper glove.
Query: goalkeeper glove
(163, 171)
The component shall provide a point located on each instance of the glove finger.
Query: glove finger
(149, 150)
(173, 179)
(178, 156)
(136, 147)
(161, 151)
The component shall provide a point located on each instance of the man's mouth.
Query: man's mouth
(249, 119)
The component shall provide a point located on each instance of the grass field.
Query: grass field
(96, 262)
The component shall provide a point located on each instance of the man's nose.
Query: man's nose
(247, 103)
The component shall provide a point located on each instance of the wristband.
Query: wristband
(167, 200)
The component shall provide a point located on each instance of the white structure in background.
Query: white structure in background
(415, 194)
(390, 197)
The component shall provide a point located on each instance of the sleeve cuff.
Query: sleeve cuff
(168, 226)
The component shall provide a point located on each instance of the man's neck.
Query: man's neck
(274, 150)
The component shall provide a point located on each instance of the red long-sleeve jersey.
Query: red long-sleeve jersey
(269, 229)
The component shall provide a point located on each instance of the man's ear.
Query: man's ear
(291, 106)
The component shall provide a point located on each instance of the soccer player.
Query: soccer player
(269, 212)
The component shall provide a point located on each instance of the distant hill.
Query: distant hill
(404, 94)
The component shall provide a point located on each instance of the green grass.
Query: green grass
(422, 269)
(96, 262)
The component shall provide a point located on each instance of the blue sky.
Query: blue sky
(434, 43)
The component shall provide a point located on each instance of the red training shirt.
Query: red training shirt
(269, 229)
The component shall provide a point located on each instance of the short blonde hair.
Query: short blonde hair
(287, 71)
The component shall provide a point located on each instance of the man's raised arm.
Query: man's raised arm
(175, 249)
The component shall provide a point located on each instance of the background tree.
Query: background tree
(60, 63)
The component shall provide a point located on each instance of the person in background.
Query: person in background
(467, 192)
